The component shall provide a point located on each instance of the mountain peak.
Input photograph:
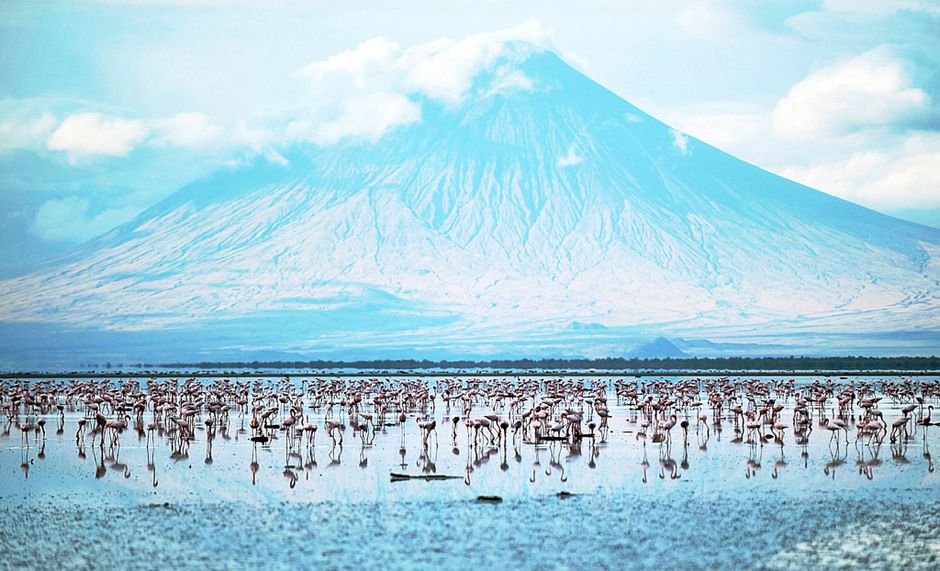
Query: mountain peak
(659, 348)
(510, 210)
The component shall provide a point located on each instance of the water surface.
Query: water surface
(711, 500)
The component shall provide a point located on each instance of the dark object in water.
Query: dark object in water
(272, 426)
(397, 477)
(163, 505)
(564, 494)
(261, 438)
(553, 438)
(489, 499)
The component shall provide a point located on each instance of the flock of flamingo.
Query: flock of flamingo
(487, 415)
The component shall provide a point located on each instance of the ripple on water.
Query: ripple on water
(751, 529)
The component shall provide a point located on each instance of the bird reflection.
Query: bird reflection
(836, 460)
(566, 418)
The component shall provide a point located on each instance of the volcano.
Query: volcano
(552, 218)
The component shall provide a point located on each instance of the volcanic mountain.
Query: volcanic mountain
(553, 218)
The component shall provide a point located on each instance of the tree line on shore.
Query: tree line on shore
(795, 363)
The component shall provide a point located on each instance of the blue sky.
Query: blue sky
(106, 107)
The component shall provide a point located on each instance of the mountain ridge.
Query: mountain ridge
(494, 224)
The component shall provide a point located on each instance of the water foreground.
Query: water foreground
(213, 498)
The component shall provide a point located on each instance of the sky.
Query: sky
(109, 106)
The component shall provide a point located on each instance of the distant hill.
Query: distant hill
(659, 348)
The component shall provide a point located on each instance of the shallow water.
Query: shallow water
(715, 502)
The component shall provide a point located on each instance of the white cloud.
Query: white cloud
(187, 130)
(256, 138)
(88, 134)
(272, 156)
(69, 220)
(870, 90)
(369, 117)
(445, 69)
(365, 92)
(578, 62)
(680, 141)
(356, 66)
(507, 80)
(903, 177)
(728, 129)
(745, 130)
(25, 134)
(357, 94)
(570, 159)
(887, 171)
(706, 21)
(259, 140)
(881, 7)
(89, 130)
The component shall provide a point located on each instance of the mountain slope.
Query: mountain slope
(491, 227)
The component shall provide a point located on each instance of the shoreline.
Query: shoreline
(405, 373)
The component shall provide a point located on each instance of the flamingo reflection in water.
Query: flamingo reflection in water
(532, 414)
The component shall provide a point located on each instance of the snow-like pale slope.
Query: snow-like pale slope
(495, 225)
